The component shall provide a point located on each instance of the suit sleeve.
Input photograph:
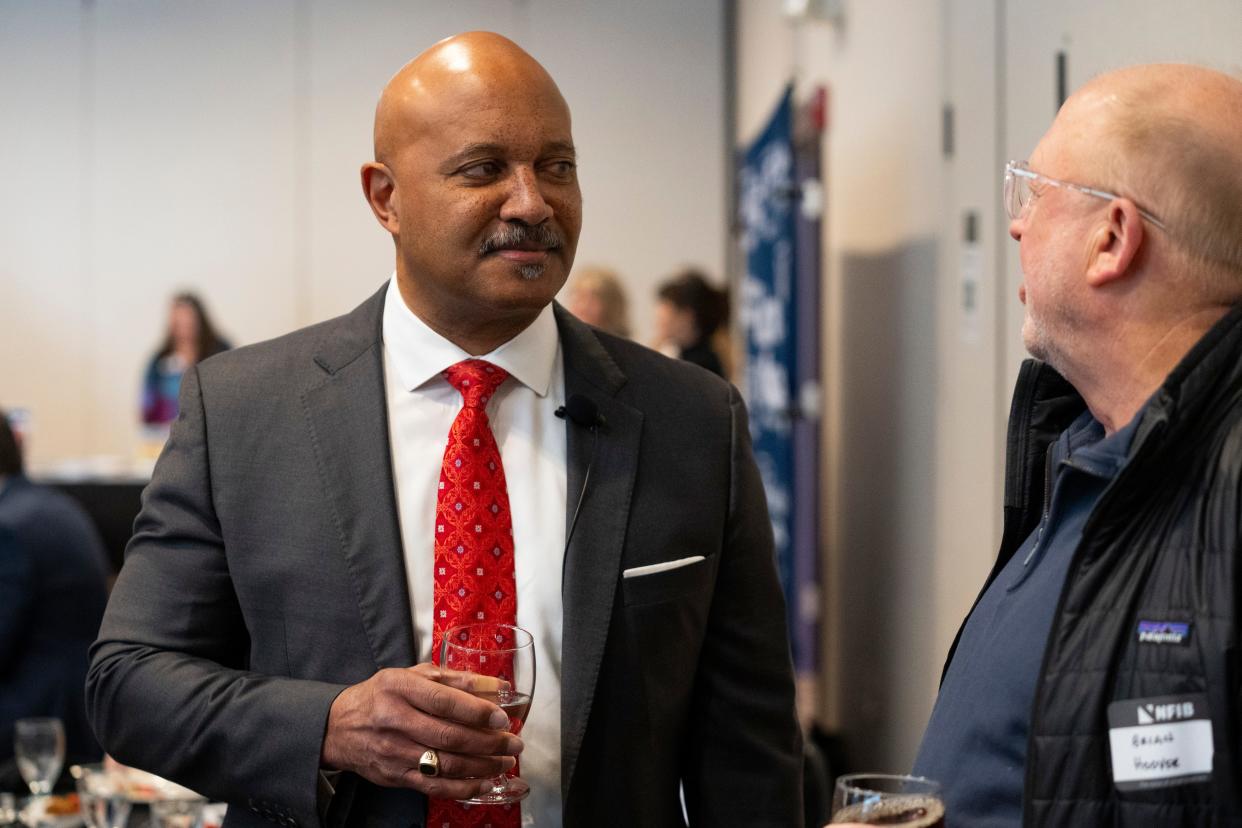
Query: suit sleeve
(745, 748)
(168, 688)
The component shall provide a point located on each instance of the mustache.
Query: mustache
(513, 235)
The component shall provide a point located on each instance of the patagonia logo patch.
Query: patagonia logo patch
(1164, 632)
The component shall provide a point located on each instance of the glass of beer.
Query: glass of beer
(888, 799)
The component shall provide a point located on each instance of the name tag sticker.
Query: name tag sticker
(1160, 742)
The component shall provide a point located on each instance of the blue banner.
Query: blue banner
(767, 202)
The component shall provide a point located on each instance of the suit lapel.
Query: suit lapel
(593, 560)
(348, 420)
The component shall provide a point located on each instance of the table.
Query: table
(111, 503)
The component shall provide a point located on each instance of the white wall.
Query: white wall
(45, 293)
(150, 145)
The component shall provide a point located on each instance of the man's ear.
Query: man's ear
(1116, 243)
(379, 187)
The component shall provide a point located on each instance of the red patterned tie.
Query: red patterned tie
(474, 570)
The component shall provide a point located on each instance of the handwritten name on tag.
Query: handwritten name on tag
(1161, 741)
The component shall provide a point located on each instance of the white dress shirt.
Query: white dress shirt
(421, 408)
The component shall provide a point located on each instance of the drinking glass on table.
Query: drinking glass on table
(39, 745)
(888, 799)
(504, 657)
(103, 796)
(181, 812)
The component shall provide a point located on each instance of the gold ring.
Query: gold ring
(429, 763)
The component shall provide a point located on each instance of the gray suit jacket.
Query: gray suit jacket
(266, 574)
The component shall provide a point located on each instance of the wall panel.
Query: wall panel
(192, 183)
(45, 294)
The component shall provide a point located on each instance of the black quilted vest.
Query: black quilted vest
(1162, 542)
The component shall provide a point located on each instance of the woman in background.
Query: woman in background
(689, 315)
(597, 298)
(190, 339)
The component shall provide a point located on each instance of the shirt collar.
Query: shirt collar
(1085, 446)
(419, 354)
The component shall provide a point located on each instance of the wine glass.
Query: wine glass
(504, 655)
(888, 799)
(39, 744)
(103, 796)
(178, 812)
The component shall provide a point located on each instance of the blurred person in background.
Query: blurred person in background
(597, 298)
(690, 318)
(190, 339)
(53, 570)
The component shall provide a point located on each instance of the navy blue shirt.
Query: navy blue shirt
(975, 742)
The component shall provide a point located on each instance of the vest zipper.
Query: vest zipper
(1138, 454)
(1043, 519)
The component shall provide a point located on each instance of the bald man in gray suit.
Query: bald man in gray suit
(261, 644)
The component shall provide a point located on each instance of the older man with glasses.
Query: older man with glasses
(1098, 678)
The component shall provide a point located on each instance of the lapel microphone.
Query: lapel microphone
(584, 413)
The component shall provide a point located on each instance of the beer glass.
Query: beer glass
(507, 654)
(887, 799)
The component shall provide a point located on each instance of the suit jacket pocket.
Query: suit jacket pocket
(666, 619)
(670, 585)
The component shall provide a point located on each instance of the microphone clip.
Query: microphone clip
(582, 411)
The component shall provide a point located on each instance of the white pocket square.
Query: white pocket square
(651, 569)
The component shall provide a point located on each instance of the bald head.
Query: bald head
(1167, 136)
(476, 178)
(1213, 99)
(462, 70)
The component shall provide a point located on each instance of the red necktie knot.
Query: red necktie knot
(476, 380)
